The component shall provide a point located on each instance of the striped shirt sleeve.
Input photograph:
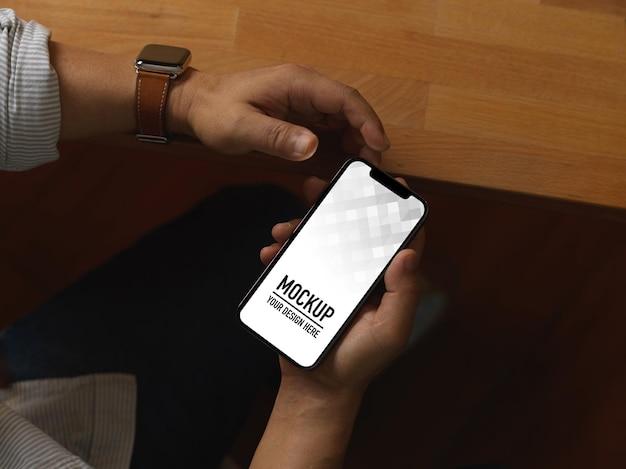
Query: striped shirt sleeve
(80, 422)
(30, 106)
(38, 450)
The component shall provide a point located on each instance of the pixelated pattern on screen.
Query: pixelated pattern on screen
(363, 224)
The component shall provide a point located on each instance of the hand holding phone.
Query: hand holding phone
(326, 270)
(379, 331)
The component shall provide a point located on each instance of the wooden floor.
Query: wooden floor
(526, 369)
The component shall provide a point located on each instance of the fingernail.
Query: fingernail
(304, 146)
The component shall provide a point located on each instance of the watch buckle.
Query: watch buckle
(152, 138)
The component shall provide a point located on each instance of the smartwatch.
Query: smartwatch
(156, 66)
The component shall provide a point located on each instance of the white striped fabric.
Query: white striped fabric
(38, 449)
(87, 421)
(30, 106)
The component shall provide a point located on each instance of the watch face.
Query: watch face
(163, 59)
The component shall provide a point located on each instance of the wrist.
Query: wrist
(308, 427)
(311, 402)
(181, 97)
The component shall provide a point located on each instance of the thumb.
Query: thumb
(399, 303)
(279, 138)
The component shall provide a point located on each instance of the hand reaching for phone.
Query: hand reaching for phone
(311, 422)
(272, 110)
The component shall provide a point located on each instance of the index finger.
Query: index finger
(334, 98)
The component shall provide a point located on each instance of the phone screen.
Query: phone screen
(323, 274)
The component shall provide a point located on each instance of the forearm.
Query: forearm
(308, 429)
(233, 114)
(97, 91)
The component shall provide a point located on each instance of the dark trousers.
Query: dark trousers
(165, 311)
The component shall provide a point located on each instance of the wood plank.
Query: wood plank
(563, 31)
(560, 126)
(127, 26)
(332, 16)
(610, 7)
(362, 40)
(389, 51)
(398, 101)
(509, 166)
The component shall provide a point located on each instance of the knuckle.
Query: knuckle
(295, 69)
(291, 68)
(307, 67)
(274, 135)
(352, 92)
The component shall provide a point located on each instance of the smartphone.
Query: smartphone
(336, 256)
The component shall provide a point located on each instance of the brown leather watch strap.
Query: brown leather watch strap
(151, 93)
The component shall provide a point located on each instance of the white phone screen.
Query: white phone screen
(321, 277)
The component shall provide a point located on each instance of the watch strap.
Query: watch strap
(151, 91)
